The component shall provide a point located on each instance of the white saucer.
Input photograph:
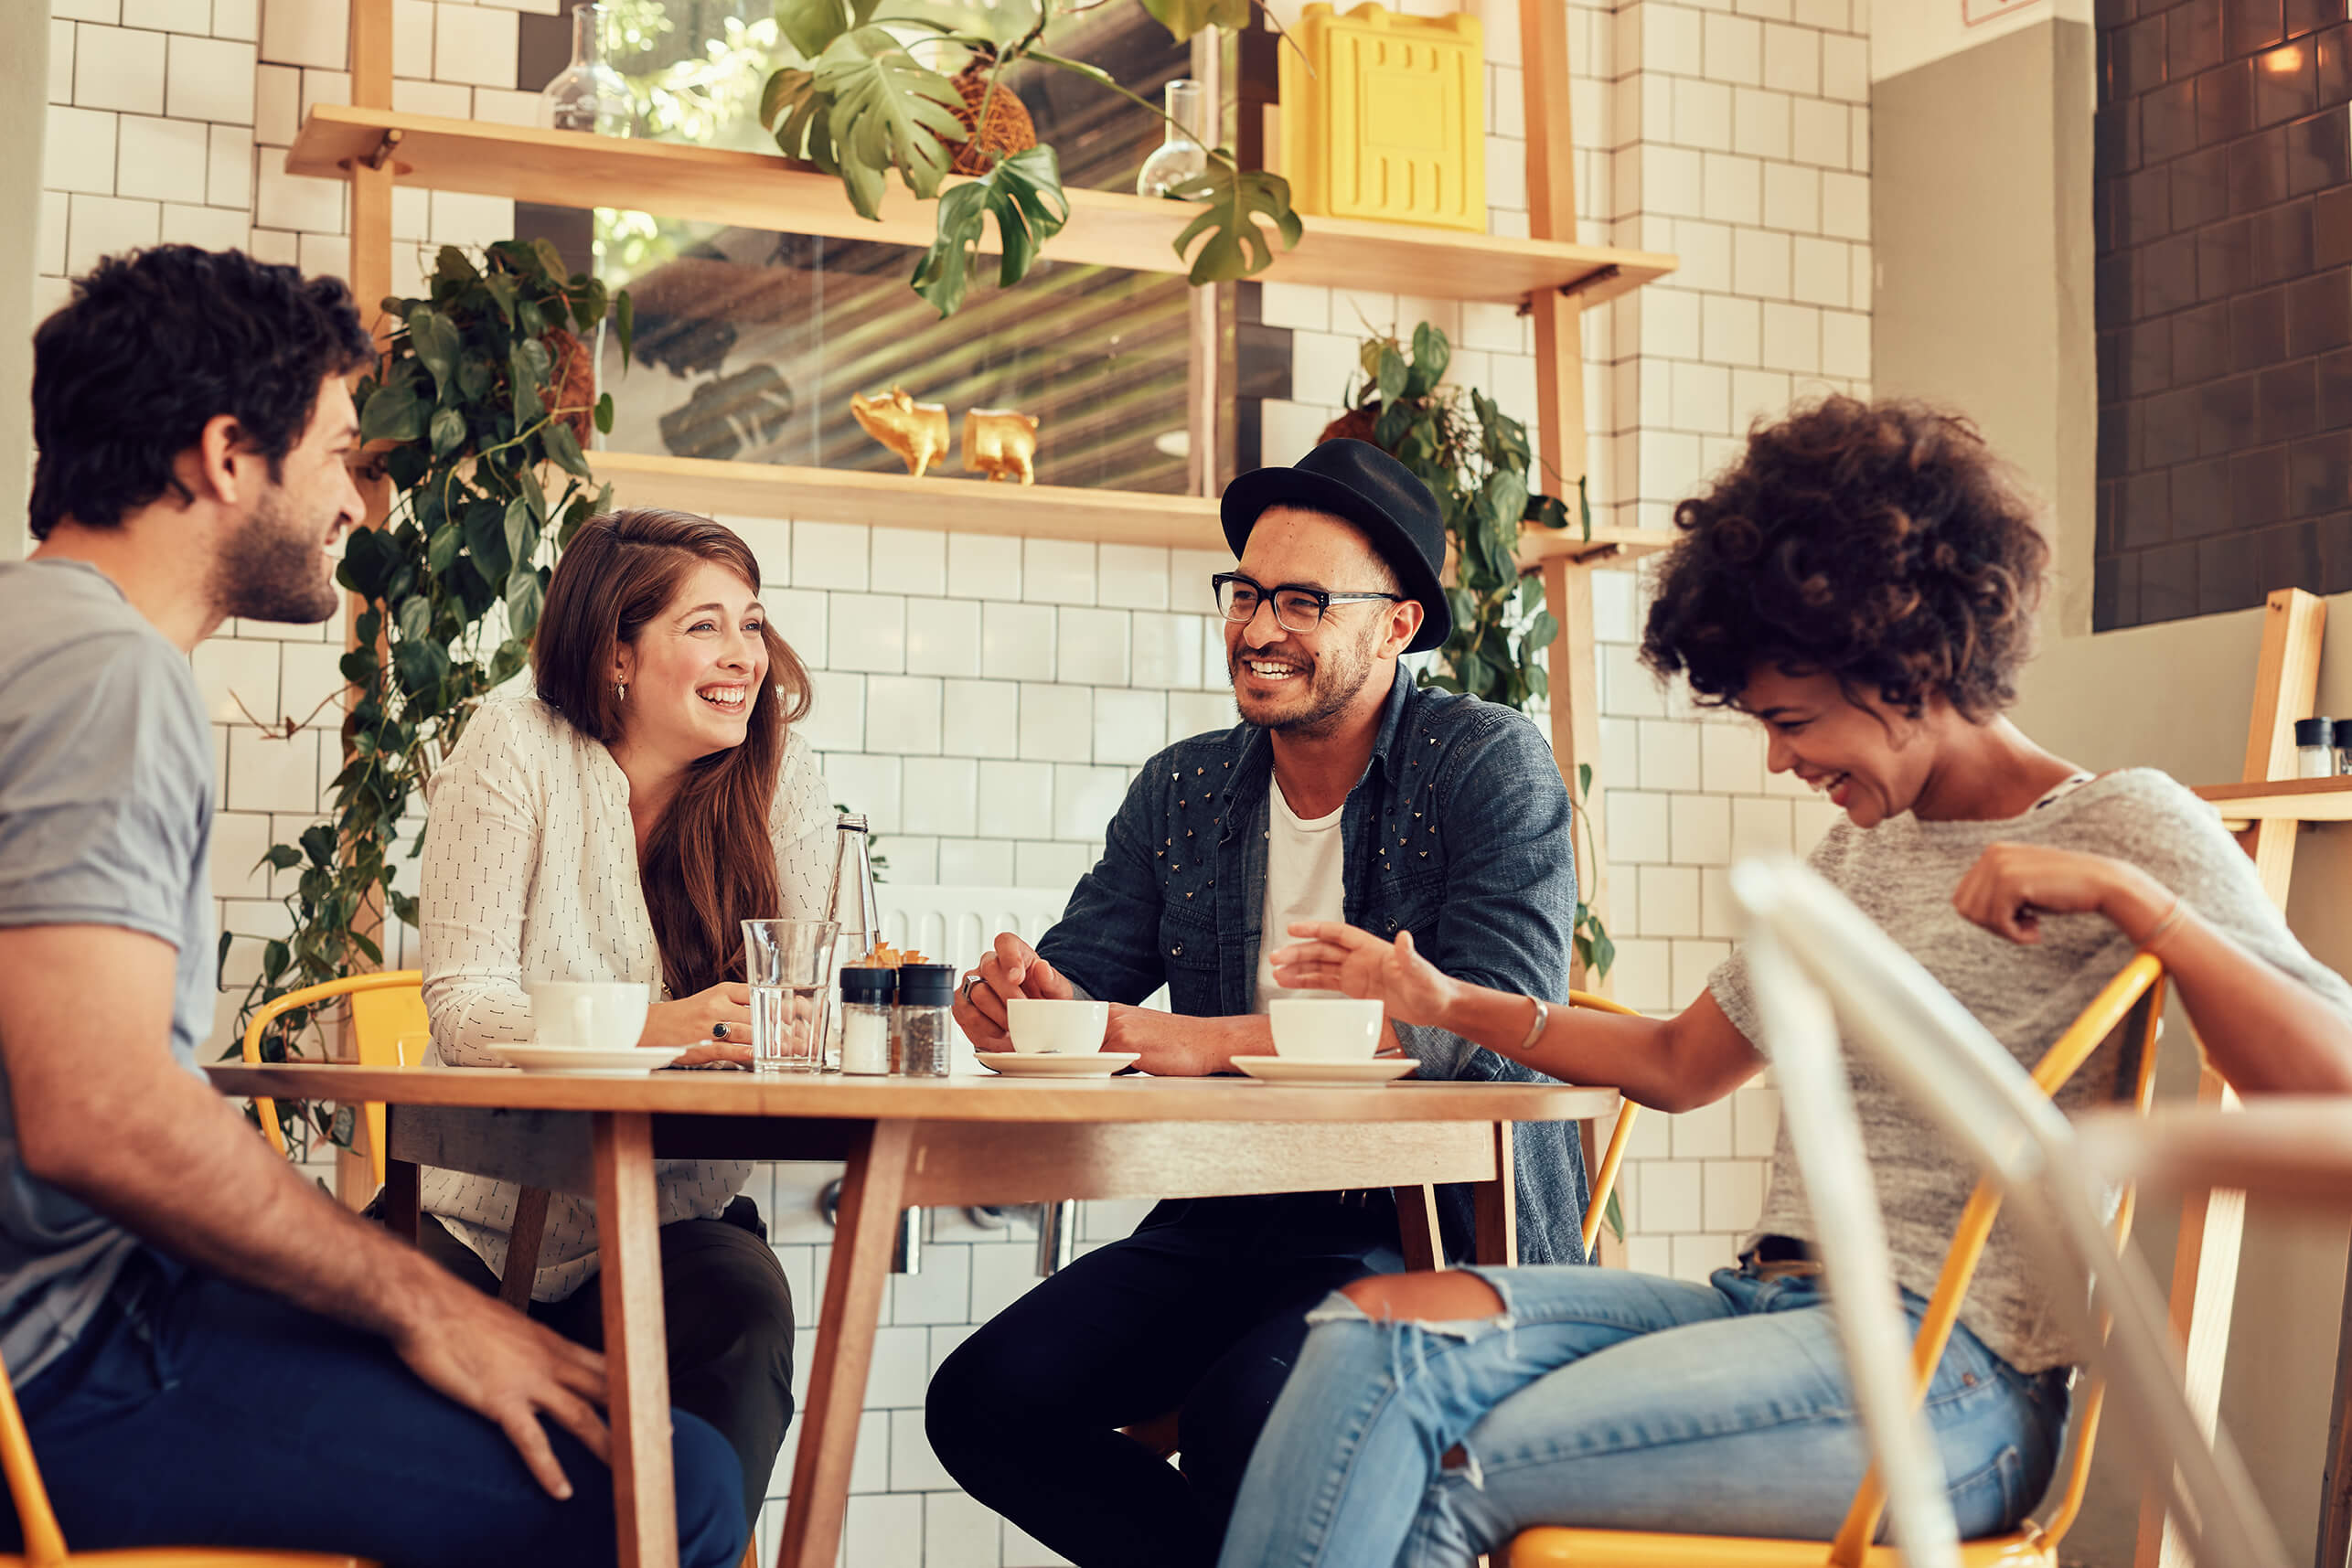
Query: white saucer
(635, 1062)
(1306, 1070)
(1049, 1065)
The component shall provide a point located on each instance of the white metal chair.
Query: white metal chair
(1814, 961)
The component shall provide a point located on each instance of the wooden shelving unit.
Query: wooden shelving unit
(2287, 800)
(953, 505)
(761, 190)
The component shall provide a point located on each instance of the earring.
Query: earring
(621, 690)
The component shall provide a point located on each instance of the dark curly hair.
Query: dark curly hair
(156, 345)
(1881, 543)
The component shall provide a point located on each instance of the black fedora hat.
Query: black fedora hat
(1357, 481)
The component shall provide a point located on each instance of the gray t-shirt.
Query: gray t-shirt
(105, 819)
(1902, 874)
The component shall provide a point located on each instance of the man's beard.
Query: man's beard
(1338, 677)
(272, 568)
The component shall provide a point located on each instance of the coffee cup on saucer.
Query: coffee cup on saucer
(1038, 1025)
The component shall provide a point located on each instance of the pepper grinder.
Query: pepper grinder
(851, 904)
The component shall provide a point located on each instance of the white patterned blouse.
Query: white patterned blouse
(530, 873)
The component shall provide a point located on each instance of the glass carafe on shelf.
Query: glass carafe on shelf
(588, 94)
(1182, 155)
(851, 903)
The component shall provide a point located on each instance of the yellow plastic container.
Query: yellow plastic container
(1391, 122)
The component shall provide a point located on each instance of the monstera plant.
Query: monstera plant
(866, 104)
(478, 416)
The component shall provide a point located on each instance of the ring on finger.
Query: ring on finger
(964, 991)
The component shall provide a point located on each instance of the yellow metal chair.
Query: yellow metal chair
(2032, 1544)
(387, 1010)
(45, 1544)
(1604, 1181)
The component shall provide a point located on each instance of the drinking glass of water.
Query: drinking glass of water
(789, 964)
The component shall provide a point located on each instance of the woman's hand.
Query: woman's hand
(690, 1020)
(1335, 957)
(2012, 886)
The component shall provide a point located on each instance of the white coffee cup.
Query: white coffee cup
(1041, 1026)
(1315, 1029)
(595, 1015)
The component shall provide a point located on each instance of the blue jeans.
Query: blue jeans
(194, 1412)
(1611, 1400)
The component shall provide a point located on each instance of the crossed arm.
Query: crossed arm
(104, 1112)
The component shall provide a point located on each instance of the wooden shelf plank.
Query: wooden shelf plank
(761, 190)
(2294, 800)
(949, 503)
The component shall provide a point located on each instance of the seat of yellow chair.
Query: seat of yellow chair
(1560, 1547)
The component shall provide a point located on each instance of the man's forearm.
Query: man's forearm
(175, 1164)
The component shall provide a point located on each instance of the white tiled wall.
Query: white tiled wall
(986, 700)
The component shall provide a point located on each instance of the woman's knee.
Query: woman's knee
(1451, 1296)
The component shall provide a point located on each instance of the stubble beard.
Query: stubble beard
(272, 568)
(1338, 678)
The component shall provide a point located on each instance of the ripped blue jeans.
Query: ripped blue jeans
(1613, 1401)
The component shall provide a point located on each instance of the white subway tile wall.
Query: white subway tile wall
(986, 700)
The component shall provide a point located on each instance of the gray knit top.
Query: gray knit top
(1902, 874)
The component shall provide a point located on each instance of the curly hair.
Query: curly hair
(152, 347)
(1880, 543)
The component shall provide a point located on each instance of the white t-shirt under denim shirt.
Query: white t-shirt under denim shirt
(530, 873)
(1902, 874)
(106, 800)
(1305, 866)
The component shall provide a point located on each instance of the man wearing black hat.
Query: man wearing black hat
(1347, 793)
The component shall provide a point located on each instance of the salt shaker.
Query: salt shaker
(926, 1020)
(2314, 749)
(868, 1020)
(2344, 745)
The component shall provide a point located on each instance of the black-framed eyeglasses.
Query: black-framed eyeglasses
(1296, 608)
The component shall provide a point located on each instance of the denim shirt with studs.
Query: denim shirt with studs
(1459, 831)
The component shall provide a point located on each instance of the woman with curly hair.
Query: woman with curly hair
(1863, 583)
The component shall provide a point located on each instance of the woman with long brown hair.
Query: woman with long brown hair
(616, 821)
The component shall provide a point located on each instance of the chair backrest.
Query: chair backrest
(1604, 1181)
(1816, 960)
(387, 1010)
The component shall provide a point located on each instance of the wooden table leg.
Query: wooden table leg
(2336, 1481)
(401, 1199)
(864, 1227)
(1416, 1225)
(1496, 1205)
(636, 1363)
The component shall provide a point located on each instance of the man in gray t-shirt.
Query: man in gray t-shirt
(191, 1327)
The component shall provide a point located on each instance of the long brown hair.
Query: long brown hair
(708, 865)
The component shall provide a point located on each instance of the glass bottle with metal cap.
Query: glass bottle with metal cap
(852, 904)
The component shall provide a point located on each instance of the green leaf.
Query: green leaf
(604, 415)
(625, 324)
(564, 447)
(524, 382)
(525, 595)
(448, 431)
(522, 531)
(889, 111)
(1182, 18)
(1234, 203)
(1023, 193)
(422, 666)
(452, 264)
(282, 857)
(1541, 634)
(1390, 379)
(811, 25)
(485, 537)
(1584, 779)
(447, 541)
(276, 956)
(1431, 353)
(415, 618)
(392, 412)
(435, 339)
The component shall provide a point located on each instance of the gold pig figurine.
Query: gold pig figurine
(916, 431)
(1000, 443)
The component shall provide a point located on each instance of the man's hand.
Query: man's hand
(1176, 1047)
(1011, 968)
(504, 1366)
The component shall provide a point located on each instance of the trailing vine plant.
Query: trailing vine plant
(481, 406)
(1478, 463)
(865, 105)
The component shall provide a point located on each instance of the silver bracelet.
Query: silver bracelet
(1535, 1029)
